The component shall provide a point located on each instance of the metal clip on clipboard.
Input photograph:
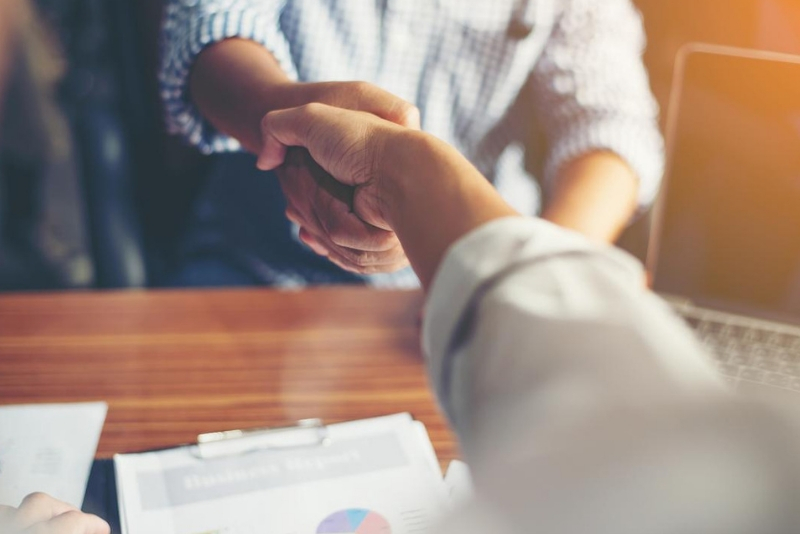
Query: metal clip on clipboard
(306, 433)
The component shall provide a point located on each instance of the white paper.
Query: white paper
(48, 448)
(375, 476)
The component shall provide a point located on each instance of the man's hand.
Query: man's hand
(401, 179)
(321, 206)
(323, 209)
(340, 143)
(42, 514)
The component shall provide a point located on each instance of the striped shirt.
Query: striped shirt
(520, 87)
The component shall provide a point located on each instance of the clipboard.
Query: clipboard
(101, 489)
(380, 471)
(305, 433)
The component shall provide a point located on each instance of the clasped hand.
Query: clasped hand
(323, 207)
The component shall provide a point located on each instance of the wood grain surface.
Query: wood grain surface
(174, 364)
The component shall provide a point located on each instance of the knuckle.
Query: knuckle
(411, 116)
(360, 88)
(310, 113)
(366, 96)
(312, 109)
(35, 499)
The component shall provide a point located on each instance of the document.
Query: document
(48, 448)
(375, 476)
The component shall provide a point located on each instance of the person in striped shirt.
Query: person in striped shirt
(549, 92)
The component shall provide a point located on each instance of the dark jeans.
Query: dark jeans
(239, 235)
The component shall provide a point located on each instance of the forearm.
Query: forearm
(234, 83)
(595, 195)
(433, 197)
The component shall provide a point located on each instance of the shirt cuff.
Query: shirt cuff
(639, 145)
(187, 31)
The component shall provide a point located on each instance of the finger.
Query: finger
(72, 522)
(37, 508)
(272, 154)
(362, 261)
(343, 263)
(292, 127)
(346, 229)
(313, 243)
(298, 190)
(374, 100)
(294, 216)
(349, 231)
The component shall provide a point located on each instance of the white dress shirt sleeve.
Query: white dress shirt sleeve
(190, 26)
(583, 404)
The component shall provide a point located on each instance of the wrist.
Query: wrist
(595, 195)
(407, 160)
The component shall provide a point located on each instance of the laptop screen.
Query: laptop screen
(729, 234)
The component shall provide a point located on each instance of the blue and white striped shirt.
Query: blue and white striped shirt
(491, 77)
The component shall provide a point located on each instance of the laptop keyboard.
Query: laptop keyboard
(748, 355)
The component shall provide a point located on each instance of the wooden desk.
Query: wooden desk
(175, 364)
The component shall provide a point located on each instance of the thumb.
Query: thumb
(406, 115)
(338, 140)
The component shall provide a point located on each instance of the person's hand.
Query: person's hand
(322, 207)
(401, 179)
(41, 514)
(344, 147)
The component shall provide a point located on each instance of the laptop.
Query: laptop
(725, 243)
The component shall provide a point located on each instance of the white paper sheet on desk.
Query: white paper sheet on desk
(376, 476)
(48, 448)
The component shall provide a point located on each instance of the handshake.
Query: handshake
(330, 157)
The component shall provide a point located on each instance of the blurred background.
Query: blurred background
(94, 194)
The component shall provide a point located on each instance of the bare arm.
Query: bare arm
(235, 82)
(594, 195)
(599, 118)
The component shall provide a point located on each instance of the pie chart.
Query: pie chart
(354, 521)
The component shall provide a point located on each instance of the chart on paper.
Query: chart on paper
(354, 521)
